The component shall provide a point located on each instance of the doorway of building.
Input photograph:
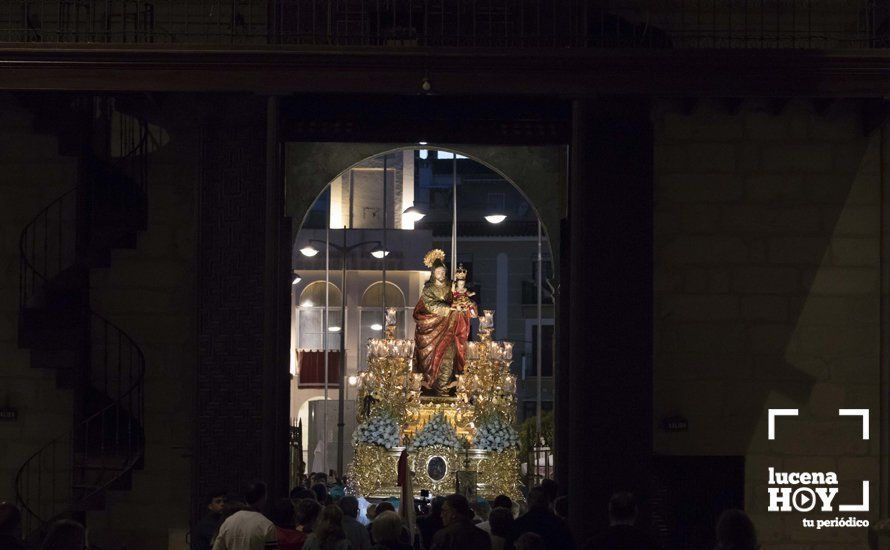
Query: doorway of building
(359, 249)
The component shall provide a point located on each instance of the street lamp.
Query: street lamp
(495, 218)
(413, 214)
(379, 253)
(297, 278)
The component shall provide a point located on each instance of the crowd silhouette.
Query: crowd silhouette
(319, 514)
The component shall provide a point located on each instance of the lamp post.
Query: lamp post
(343, 250)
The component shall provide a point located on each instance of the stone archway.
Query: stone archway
(538, 172)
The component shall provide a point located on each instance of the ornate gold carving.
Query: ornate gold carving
(420, 461)
(390, 386)
(374, 470)
(499, 474)
(430, 407)
(485, 391)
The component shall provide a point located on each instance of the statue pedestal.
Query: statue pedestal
(375, 471)
(452, 408)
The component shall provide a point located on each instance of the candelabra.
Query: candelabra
(486, 387)
(389, 384)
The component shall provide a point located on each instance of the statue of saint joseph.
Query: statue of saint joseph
(441, 332)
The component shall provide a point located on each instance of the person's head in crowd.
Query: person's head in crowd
(10, 520)
(319, 477)
(501, 522)
(336, 492)
(436, 506)
(481, 509)
(735, 531)
(306, 513)
(329, 528)
(386, 527)
(551, 489)
(622, 509)
(321, 493)
(283, 514)
(537, 499)
(65, 534)
(349, 506)
(215, 501)
(456, 508)
(385, 506)
(300, 493)
(561, 507)
(255, 495)
(502, 501)
(234, 503)
(530, 541)
(371, 512)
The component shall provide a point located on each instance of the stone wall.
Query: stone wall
(34, 173)
(150, 293)
(767, 287)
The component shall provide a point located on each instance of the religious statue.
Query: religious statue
(442, 328)
(460, 295)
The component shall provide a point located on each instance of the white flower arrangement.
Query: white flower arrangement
(380, 429)
(438, 431)
(493, 434)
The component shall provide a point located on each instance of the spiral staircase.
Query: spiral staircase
(91, 356)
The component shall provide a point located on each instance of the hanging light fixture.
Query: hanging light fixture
(376, 326)
(334, 329)
(413, 214)
(297, 278)
(309, 251)
(379, 253)
(495, 218)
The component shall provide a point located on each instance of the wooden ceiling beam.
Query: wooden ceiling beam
(453, 72)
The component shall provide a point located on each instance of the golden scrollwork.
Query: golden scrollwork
(429, 407)
(485, 390)
(487, 387)
(390, 386)
(420, 461)
(374, 470)
(499, 475)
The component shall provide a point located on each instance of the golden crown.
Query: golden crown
(432, 256)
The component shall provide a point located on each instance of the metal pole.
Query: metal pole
(342, 373)
(385, 206)
(454, 216)
(324, 337)
(540, 340)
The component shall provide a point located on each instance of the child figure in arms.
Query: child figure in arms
(460, 296)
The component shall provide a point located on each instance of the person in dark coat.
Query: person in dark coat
(459, 533)
(621, 534)
(430, 524)
(11, 527)
(541, 520)
(203, 532)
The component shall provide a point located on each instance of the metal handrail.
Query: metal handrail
(128, 399)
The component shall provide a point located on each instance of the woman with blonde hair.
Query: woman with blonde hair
(387, 530)
(328, 533)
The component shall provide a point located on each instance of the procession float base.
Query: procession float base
(374, 471)
(430, 407)
(462, 444)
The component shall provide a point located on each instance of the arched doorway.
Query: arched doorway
(358, 233)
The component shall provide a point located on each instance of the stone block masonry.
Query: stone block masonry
(767, 291)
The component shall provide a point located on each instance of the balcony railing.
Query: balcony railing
(584, 24)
